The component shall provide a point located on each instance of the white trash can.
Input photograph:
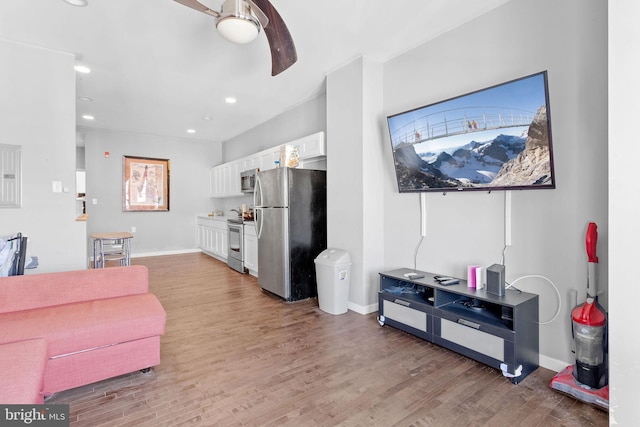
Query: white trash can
(333, 274)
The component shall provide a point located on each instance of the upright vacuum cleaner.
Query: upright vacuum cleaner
(588, 379)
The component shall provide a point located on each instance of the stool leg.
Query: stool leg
(101, 262)
(128, 249)
(95, 253)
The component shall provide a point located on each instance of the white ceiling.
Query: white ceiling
(158, 67)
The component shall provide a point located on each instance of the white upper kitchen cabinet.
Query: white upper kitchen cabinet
(311, 146)
(224, 180)
(268, 158)
(233, 179)
(249, 163)
(213, 182)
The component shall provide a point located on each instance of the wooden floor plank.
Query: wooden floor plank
(233, 355)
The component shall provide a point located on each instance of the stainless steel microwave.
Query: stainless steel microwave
(248, 180)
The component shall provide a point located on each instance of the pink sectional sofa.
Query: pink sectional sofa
(76, 328)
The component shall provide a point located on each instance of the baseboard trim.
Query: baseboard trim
(553, 364)
(363, 309)
(177, 252)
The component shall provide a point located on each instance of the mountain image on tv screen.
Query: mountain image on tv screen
(495, 138)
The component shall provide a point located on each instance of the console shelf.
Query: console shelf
(500, 331)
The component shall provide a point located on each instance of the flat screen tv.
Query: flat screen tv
(497, 138)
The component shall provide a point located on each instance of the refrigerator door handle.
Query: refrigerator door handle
(258, 219)
(257, 204)
(257, 193)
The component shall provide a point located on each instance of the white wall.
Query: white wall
(522, 37)
(156, 232)
(624, 211)
(354, 160)
(37, 112)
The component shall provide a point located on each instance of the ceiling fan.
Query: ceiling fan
(239, 21)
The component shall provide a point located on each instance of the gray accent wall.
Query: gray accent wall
(547, 255)
(305, 119)
(569, 40)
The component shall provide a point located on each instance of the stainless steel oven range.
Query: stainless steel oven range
(235, 238)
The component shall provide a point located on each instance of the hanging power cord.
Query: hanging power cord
(503, 260)
(555, 288)
(415, 254)
(512, 287)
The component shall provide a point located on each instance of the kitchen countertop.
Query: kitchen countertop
(223, 218)
(213, 218)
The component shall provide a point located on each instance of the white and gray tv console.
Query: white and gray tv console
(500, 331)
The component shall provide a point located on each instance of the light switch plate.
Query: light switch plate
(56, 186)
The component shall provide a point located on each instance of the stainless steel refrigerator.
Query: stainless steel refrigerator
(290, 207)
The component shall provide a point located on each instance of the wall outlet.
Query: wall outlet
(133, 229)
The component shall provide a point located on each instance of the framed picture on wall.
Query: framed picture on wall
(145, 184)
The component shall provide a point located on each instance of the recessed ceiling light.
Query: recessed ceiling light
(191, 131)
(80, 3)
(85, 98)
(88, 117)
(207, 118)
(230, 100)
(82, 69)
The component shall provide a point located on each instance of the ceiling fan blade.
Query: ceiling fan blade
(283, 51)
(195, 4)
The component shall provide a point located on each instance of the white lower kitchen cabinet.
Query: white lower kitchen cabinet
(212, 236)
(250, 249)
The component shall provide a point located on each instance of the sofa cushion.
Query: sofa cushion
(47, 289)
(22, 371)
(70, 328)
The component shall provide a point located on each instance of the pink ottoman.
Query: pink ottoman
(22, 371)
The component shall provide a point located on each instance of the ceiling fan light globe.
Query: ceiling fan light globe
(239, 30)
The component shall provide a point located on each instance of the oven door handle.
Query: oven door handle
(235, 232)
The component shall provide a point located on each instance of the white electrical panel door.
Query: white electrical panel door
(10, 176)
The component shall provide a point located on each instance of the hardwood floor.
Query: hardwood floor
(233, 355)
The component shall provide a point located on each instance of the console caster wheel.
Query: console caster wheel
(145, 370)
(381, 320)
